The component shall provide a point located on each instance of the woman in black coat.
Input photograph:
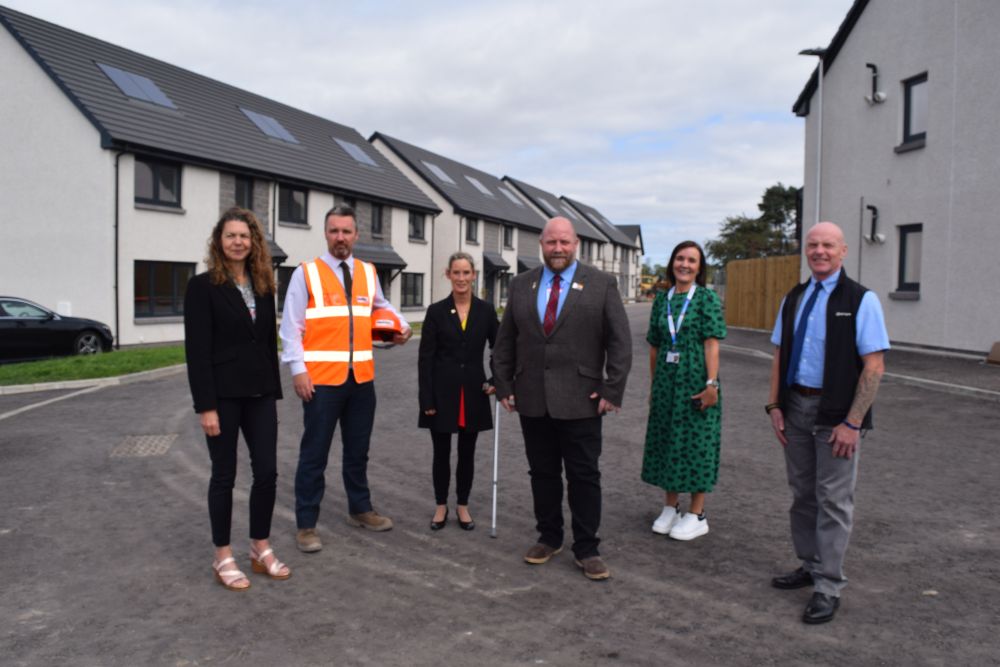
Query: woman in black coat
(454, 390)
(232, 357)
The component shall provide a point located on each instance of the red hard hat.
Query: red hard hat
(385, 325)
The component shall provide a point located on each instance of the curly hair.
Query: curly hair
(258, 262)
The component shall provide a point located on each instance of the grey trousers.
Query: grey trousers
(822, 511)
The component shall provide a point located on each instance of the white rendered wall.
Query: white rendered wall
(417, 255)
(56, 195)
(949, 185)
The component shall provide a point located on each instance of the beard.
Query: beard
(558, 262)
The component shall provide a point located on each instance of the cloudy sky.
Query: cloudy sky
(664, 113)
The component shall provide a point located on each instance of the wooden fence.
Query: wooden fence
(754, 288)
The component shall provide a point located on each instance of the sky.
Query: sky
(668, 114)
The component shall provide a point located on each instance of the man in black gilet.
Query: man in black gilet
(830, 336)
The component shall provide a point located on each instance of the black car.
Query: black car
(28, 330)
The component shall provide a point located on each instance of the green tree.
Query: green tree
(771, 233)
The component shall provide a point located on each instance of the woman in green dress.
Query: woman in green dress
(685, 409)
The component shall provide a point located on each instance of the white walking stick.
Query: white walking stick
(496, 456)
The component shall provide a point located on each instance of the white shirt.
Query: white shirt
(293, 316)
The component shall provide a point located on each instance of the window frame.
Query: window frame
(912, 138)
(472, 230)
(508, 237)
(411, 293)
(377, 211)
(156, 166)
(248, 184)
(283, 207)
(177, 288)
(904, 232)
(423, 226)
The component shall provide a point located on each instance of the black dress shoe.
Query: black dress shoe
(798, 579)
(821, 609)
(465, 525)
(438, 525)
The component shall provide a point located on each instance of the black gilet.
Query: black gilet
(841, 362)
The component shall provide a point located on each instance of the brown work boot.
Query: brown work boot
(308, 540)
(594, 568)
(540, 554)
(371, 520)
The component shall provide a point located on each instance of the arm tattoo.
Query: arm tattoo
(864, 395)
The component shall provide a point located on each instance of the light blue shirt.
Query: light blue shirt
(564, 287)
(871, 332)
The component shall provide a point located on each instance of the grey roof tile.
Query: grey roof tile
(550, 203)
(462, 193)
(601, 223)
(207, 126)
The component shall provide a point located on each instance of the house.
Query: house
(480, 215)
(901, 142)
(548, 205)
(625, 261)
(634, 234)
(115, 166)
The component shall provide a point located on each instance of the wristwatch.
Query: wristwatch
(712, 383)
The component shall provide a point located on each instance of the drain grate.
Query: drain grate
(135, 446)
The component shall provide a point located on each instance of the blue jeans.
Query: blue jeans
(353, 405)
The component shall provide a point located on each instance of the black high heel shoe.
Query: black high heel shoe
(465, 525)
(438, 525)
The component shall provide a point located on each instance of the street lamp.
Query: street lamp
(820, 53)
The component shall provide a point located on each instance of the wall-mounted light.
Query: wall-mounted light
(874, 237)
(877, 96)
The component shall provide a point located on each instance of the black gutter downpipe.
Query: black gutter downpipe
(874, 235)
(874, 69)
(118, 332)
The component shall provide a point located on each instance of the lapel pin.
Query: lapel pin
(577, 286)
(534, 285)
(452, 311)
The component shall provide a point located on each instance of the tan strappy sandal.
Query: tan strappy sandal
(231, 576)
(274, 571)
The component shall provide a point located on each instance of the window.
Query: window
(244, 192)
(508, 236)
(292, 204)
(377, 211)
(270, 126)
(471, 230)
(511, 196)
(569, 212)
(413, 290)
(284, 279)
(159, 287)
(157, 183)
(137, 86)
(384, 279)
(548, 207)
(479, 186)
(439, 172)
(915, 109)
(504, 285)
(355, 152)
(417, 226)
(910, 245)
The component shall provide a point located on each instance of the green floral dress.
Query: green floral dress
(682, 442)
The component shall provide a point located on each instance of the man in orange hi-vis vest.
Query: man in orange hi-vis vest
(327, 343)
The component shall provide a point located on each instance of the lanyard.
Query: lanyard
(680, 320)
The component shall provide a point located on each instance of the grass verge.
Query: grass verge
(119, 362)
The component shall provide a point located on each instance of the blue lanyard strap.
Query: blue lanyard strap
(674, 330)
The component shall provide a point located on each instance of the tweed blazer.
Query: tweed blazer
(589, 350)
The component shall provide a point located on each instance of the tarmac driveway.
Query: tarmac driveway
(105, 545)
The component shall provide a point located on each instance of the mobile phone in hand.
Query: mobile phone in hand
(696, 403)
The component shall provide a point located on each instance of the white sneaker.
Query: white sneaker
(689, 527)
(666, 520)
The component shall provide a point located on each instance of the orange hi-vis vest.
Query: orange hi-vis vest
(326, 342)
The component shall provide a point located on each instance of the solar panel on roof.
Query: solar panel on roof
(479, 186)
(270, 126)
(355, 152)
(438, 171)
(510, 195)
(137, 86)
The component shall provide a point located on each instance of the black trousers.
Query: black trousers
(441, 467)
(576, 443)
(257, 417)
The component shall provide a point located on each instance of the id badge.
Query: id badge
(672, 357)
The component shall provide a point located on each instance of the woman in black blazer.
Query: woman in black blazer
(232, 358)
(454, 390)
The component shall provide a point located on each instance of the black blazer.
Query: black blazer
(451, 359)
(229, 355)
